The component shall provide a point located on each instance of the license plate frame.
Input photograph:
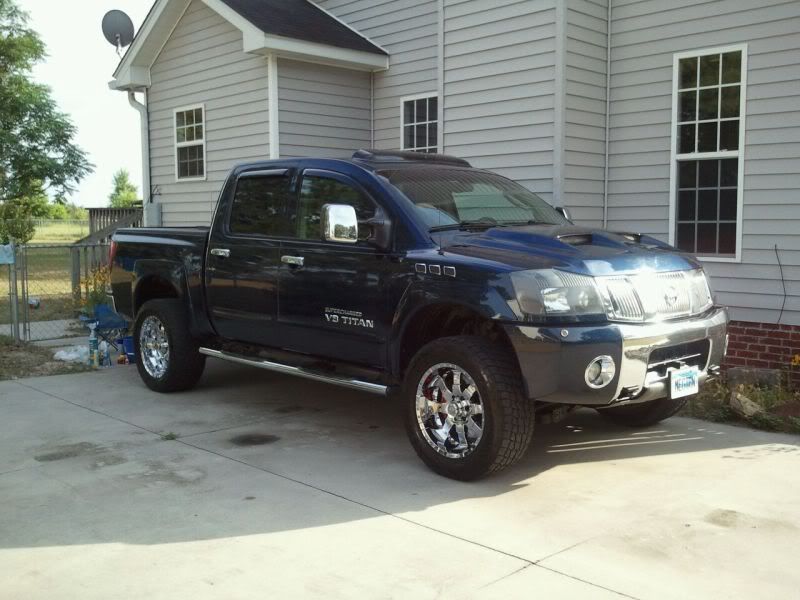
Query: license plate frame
(684, 382)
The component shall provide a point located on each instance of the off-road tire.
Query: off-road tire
(644, 414)
(509, 415)
(186, 364)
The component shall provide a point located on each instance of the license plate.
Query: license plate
(684, 382)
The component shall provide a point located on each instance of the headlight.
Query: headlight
(699, 291)
(551, 293)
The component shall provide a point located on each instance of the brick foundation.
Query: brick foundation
(763, 345)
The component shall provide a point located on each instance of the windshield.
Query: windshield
(446, 197)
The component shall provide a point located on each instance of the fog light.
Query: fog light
(600, 372)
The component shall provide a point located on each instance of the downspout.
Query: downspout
(608, 114)
(145, 131)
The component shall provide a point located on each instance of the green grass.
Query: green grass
(49, 280)
(60, 233)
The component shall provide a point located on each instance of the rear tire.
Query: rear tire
(644, 414)
(167, 356)
(455, 438)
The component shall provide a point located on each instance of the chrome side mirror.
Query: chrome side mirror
(562, 210)
(339, 223)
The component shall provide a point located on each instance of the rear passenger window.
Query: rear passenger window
(318, 191)
(262, 206)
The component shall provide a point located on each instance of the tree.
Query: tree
(125, 194)
(16, 222)
(37, 153)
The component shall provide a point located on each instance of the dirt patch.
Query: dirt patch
(790, 409)
(254, 439)
(288, 409)
(27, 360)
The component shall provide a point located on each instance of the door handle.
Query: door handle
(223, 252)
(294, 261)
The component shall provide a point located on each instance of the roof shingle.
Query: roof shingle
(300, 19)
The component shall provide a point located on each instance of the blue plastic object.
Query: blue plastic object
(127, 346)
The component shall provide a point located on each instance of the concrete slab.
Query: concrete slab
(302, 489)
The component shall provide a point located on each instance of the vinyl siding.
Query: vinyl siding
(323, 111)
(645, 34)
(408, 31)
(584, 109)
(203, 63)
(499, 87)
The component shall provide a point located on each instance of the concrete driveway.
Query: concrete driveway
(282, 488)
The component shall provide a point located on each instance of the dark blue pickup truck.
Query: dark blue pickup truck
(450, 289)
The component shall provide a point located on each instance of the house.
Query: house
(677, 119)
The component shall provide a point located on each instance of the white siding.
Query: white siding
(499, 70)
(203, 62)
(323, 111)
(585, 109)
(408, 30)
(645, 34)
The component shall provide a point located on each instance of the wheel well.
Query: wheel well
(444, 320)
(153, 288)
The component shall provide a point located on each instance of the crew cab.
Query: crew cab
(450, 289)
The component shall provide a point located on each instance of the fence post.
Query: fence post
(76, 274)
(14, 295)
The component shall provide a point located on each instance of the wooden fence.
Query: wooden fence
(102, 218)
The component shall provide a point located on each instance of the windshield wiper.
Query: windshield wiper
(486, 222)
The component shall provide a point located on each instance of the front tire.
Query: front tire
(644, 414)
(167, 356)
(466, 413)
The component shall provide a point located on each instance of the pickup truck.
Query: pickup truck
(450, 289)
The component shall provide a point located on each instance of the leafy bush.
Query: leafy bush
(95, 289)
(16, 223)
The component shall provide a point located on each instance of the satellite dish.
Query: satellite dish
(118, 29)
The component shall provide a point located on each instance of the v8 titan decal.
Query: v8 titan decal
(353, 318)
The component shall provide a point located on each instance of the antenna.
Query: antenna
(118, 29)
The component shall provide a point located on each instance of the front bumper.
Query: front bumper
(553, 360)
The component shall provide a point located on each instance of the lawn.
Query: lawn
(49, 282)
(60, 232)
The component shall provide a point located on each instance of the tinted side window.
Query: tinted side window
(262, 206)
(318, 191)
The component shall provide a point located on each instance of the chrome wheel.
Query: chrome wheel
(154, 347)
(450, 410)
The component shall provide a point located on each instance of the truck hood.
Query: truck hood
(567, 247)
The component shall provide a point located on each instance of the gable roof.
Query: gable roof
(302, 20)
(296, 29)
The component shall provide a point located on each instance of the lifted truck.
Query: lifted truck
(471, 299)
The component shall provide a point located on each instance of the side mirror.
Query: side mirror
(562, 210)
(339, 223)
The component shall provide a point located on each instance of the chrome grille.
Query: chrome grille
(664, 295)
(655, 296)
(622, 296)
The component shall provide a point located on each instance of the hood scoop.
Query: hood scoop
(577, 239)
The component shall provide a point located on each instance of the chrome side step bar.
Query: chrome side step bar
(354, 384)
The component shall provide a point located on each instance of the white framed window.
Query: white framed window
(190, 143)
(419, 123)
(707, 164)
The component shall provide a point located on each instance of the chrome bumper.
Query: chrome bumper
(553, 360)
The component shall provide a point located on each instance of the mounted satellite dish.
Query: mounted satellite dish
(118, 29)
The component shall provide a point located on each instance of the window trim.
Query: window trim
(403, 100)
(738, 154)
(176, 144)
(227, 232)
(360, 246)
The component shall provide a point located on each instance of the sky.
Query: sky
(79, 65)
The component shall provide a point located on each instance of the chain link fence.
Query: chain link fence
(48, 286)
